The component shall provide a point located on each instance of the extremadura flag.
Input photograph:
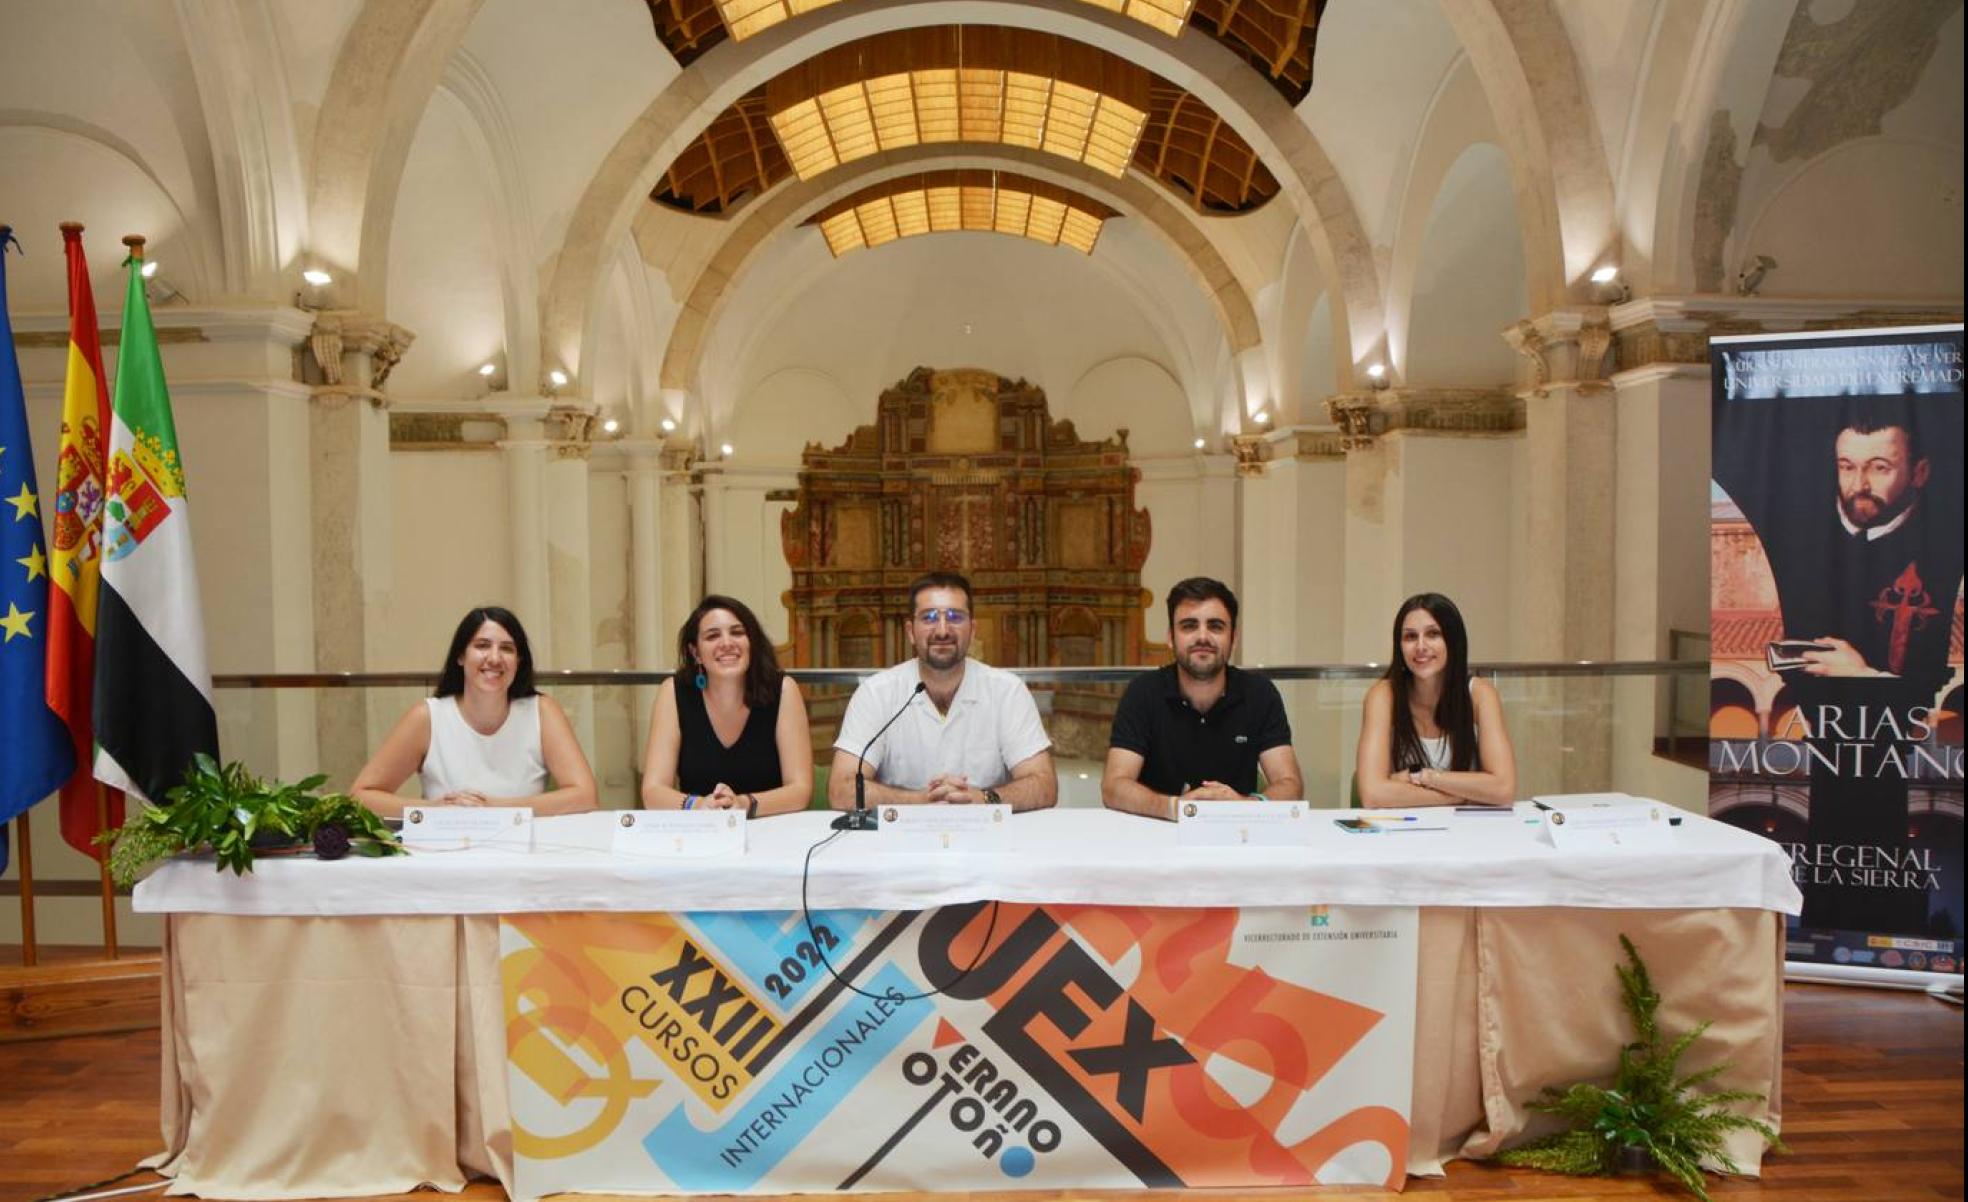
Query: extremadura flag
(153, 702)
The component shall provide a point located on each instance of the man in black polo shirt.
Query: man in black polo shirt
(1199, 728)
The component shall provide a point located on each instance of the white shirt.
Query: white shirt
(992, 725)
(506, 763)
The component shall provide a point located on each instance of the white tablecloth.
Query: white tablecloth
(1094, 857)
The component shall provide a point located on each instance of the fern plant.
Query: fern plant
(227, 809)
(1648, 1106)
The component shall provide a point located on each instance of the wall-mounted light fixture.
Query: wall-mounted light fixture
(669, 425)
(1263, 417)
(1610, 289)
(159, 290)
(727, 448)
(1751, 278)
(610, 426)
(1201, 443)
(1377, 376)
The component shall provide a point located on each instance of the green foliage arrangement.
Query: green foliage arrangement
(230, 811)
(1647, 1106)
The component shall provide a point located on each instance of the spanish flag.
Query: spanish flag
(76, 565)
(153, 702)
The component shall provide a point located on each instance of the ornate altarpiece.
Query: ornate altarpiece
(966, 471)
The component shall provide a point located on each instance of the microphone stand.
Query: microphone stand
(861, 818)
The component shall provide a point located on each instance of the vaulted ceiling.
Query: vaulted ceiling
(1275, 36)
(967, 84)
(931, 202)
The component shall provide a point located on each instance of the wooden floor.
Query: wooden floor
(1872, 1110)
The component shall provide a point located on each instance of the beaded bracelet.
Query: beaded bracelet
(690, 801)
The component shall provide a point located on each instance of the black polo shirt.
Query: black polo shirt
(1183, 748)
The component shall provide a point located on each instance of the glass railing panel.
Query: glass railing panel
(1575, 729)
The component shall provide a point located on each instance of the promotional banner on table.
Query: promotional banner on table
(1089, 1047)
(1836, 682)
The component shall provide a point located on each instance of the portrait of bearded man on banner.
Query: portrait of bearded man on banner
(1857, 502)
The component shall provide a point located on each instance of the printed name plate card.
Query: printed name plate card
(1600, 822)
(1243, 824)
(453, 828)
(680, 834)
(945, 828)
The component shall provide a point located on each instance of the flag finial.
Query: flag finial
(136, 244)
(71, 227)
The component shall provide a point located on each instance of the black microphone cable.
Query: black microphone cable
(806, 916)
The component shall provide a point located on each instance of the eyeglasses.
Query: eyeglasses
(950, 617)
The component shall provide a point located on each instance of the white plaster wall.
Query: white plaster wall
(1192, 511)
(1134, 394)
(444, 264)
(865, 321)
(451, 550)
(745, 557)
(778, 416)
(572, 74)
(1455, 499)
(616, 744)
(1469, 279)
(1365, 110)
(1897, 209)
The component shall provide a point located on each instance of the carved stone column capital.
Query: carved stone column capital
(1566, 349)
(1249, 450)
(349, 356)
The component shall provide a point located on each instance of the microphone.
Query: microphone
(861, 818)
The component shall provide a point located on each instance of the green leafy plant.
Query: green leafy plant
(1648, 1106)
(231, 812)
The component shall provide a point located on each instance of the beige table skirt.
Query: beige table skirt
(325, 1057)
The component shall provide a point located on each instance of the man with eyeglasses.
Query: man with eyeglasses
(969, 734)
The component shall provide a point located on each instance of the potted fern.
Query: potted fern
(234, 814)
(1649, 1116)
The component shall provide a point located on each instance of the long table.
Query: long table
(339, 1029)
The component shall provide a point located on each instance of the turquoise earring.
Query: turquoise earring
(702, 682)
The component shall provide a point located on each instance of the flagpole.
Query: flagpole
(102, 868)
(23, 834)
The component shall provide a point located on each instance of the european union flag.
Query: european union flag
(38, 756)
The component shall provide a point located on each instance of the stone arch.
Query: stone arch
(119, 190)
(1201, 65)
(1536, 90)
(256, 160)
(791, 201)
(488, 131)
(391, 59)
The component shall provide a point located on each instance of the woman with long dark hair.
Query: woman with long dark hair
(487, 737)
(729, 729)
(1432, 734)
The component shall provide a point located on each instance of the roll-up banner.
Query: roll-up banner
(1835, 690)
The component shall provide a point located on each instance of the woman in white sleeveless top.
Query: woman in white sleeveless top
(1431, 733)
(487, 737)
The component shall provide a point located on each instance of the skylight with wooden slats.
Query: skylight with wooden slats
(951, 201)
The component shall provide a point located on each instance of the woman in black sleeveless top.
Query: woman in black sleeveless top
(729, 730)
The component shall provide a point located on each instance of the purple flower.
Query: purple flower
(331, 842)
